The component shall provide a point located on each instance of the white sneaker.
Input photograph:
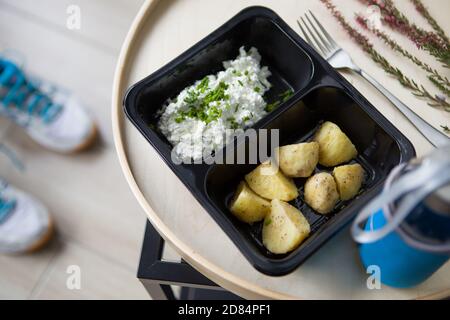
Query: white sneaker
(25, 224)
(50, 115)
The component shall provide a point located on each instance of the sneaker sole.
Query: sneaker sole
(81, 147)
(86, 143)
(44, 240)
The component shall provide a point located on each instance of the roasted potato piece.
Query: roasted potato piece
(284, 228)
(269, 182)
(334, 146)
(349, 179)
(247, 206)
(321, 192)
(298, 160)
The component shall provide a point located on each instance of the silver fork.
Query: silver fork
(323, 43)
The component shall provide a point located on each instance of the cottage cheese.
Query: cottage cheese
(199, 119)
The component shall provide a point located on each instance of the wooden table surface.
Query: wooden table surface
(164, 29)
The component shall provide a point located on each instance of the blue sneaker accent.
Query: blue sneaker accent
(21, 95)
(5, 209)
(6, 205)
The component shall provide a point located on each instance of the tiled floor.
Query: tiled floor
(100, 225)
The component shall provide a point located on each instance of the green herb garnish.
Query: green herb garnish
(267, 222)
(286, 95)
(257, 89)
(180, 118)
(234, 124)
(237, 73)
(217, 94)
(199, 108)
(213, 114)
(240, 82)
(203, 85)
(272, 106)
(283, 98)
(192, 97)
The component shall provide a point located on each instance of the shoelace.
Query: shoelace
(19, 94)
(12, 157)
(6, 205)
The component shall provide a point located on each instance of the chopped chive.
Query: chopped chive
(272, 106)
(203, 85)
(192, 97)
(233, 122)
(283, 96)
(286, 95)
(237, 73)
(179, 119)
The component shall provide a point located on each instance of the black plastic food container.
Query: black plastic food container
(320, 94)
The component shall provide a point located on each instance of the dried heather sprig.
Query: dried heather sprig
(426, 40)
(420, 7)
(440, 81)
(364, 43)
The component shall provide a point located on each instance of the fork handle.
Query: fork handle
(434, 136)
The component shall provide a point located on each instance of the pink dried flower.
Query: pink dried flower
(440, 81)
(430, 41)
(420, 7)
(364, 43)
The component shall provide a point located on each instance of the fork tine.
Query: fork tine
(308, 39)
(327, 35)
(320, 36)
(324, 50)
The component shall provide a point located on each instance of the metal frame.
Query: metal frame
(157, 275)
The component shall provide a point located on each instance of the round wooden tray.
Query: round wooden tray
(162, 30)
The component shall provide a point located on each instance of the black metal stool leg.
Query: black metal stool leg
(158, 291)
(157, 275)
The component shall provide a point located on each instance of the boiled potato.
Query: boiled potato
(269, 182)
(284, 228)
(334, 146)
(298, 160)
(247, 206)
(321, 192)
(349, 179)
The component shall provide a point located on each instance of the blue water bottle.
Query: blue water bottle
(405, 231)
